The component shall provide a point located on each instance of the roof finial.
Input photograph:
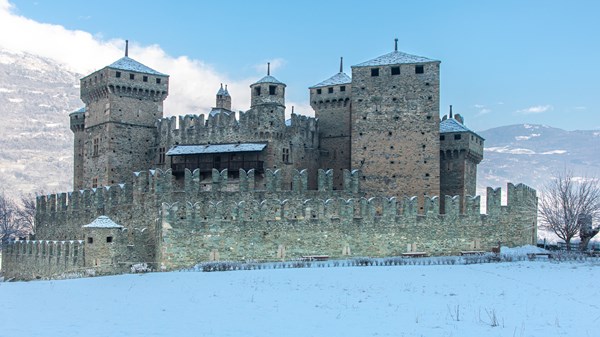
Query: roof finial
(225, 87)
(268, 68)
(292, 109)
(221, 85)
(396, 44)
(341, 64)
(126, 48)
(450, 110)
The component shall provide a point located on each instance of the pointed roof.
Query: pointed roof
(339, 78)
(452, 125)
(269, 79)
(223, 91)
(103, 222)
(395, 57)
(128, 64)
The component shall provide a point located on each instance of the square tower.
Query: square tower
(395, 124)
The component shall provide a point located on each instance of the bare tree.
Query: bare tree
(564, 200)
(11, 223)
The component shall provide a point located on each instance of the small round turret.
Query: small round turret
(267, 91)
(223, 98)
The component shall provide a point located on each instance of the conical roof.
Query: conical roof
(128, 64)
(223, 91)
(337, 79)
(269, 79)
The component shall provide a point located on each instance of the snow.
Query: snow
(527, 298)
(506, 149)
(15, 100)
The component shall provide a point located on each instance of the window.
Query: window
(330, 90)
(131, 76)
(272, 90)
(118, 74)
(419, 69)
(395, 70)
(109, 239)
(95, 147)
(442, 137)
(257, 91)
(145, 78)
(90, 240)
(161, 155)
(319, 91)
(457, 137)
(285, 155)
(94, 182)
(343, 88)
(374, 71)
(158, 81)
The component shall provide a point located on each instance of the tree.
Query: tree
(566, 201)
(15, 220)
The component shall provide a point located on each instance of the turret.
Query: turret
(268, 91)
(77, 120)
(223, 98)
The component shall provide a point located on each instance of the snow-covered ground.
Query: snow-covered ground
(527, 298)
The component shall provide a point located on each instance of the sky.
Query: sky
(502, 62)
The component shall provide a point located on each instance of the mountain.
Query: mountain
(532, 154)
(36, 96)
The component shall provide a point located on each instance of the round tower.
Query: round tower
(268, 91)
(77, 120)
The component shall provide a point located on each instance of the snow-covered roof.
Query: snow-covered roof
(395, 57)
(339, 78)
(129, 64)
(223, 91)
(182, 150)
(269, 79)
(216, 111)
(78, 111)
(102, 222)
(452, 125)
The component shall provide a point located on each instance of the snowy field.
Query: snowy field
(527, 298)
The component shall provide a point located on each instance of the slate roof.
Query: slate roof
(103, 222)
(78, 111)
(128, 64)
(339, 78)
(216, 111)
(182, 150)
(395, 57)
(269, 79)
(452, 125)
(222, 92)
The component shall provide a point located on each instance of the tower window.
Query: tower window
(158, 81)
(109, 239)
(343, 88)
(118, 74)
(319, 91)
(457, 137)
(442, 137)
(419, 69)
(330, 90)
(90, 240)
(272, 90)
(145, 78)
(94, 182)
(285, 155)
(95, 148)
(395, 70)
(161, 155)
(257, 91)
(131, 76)
(374, 71)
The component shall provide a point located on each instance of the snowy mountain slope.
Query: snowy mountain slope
(533, 153)
(500, 299)
(36, 96)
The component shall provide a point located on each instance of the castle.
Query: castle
(361, 178)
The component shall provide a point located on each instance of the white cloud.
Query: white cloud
(193, 83)
(276, 63)
(536, 109)
(479, 106)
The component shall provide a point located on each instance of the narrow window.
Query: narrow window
(419, 69)
(158, 81)
(131, 76)
(457, 137)
(109, 239)
(90, 240)
(145, 78)
(395, 70)
(374, 71)
(272, 90)
(286, 155)
(94, 182)
(442, 137)
(330, 90)
(319, 91)
(161, 155)
(95, 148)
(343, 88)
(256, 91)
(118, 74)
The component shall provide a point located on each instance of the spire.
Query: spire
(268, 68)
(451, 111)
(126, 48)
(396, 44)
(341, 64)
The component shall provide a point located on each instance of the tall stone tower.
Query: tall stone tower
(123, 102)
(267, 100)
(461, 150)
(223, 98)
(331, 100)
(77, 120)
(395, 124)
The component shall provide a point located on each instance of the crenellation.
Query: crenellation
(473, 205)
(493, 200)
(432, 205)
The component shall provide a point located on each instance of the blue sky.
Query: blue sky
(503, 62)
